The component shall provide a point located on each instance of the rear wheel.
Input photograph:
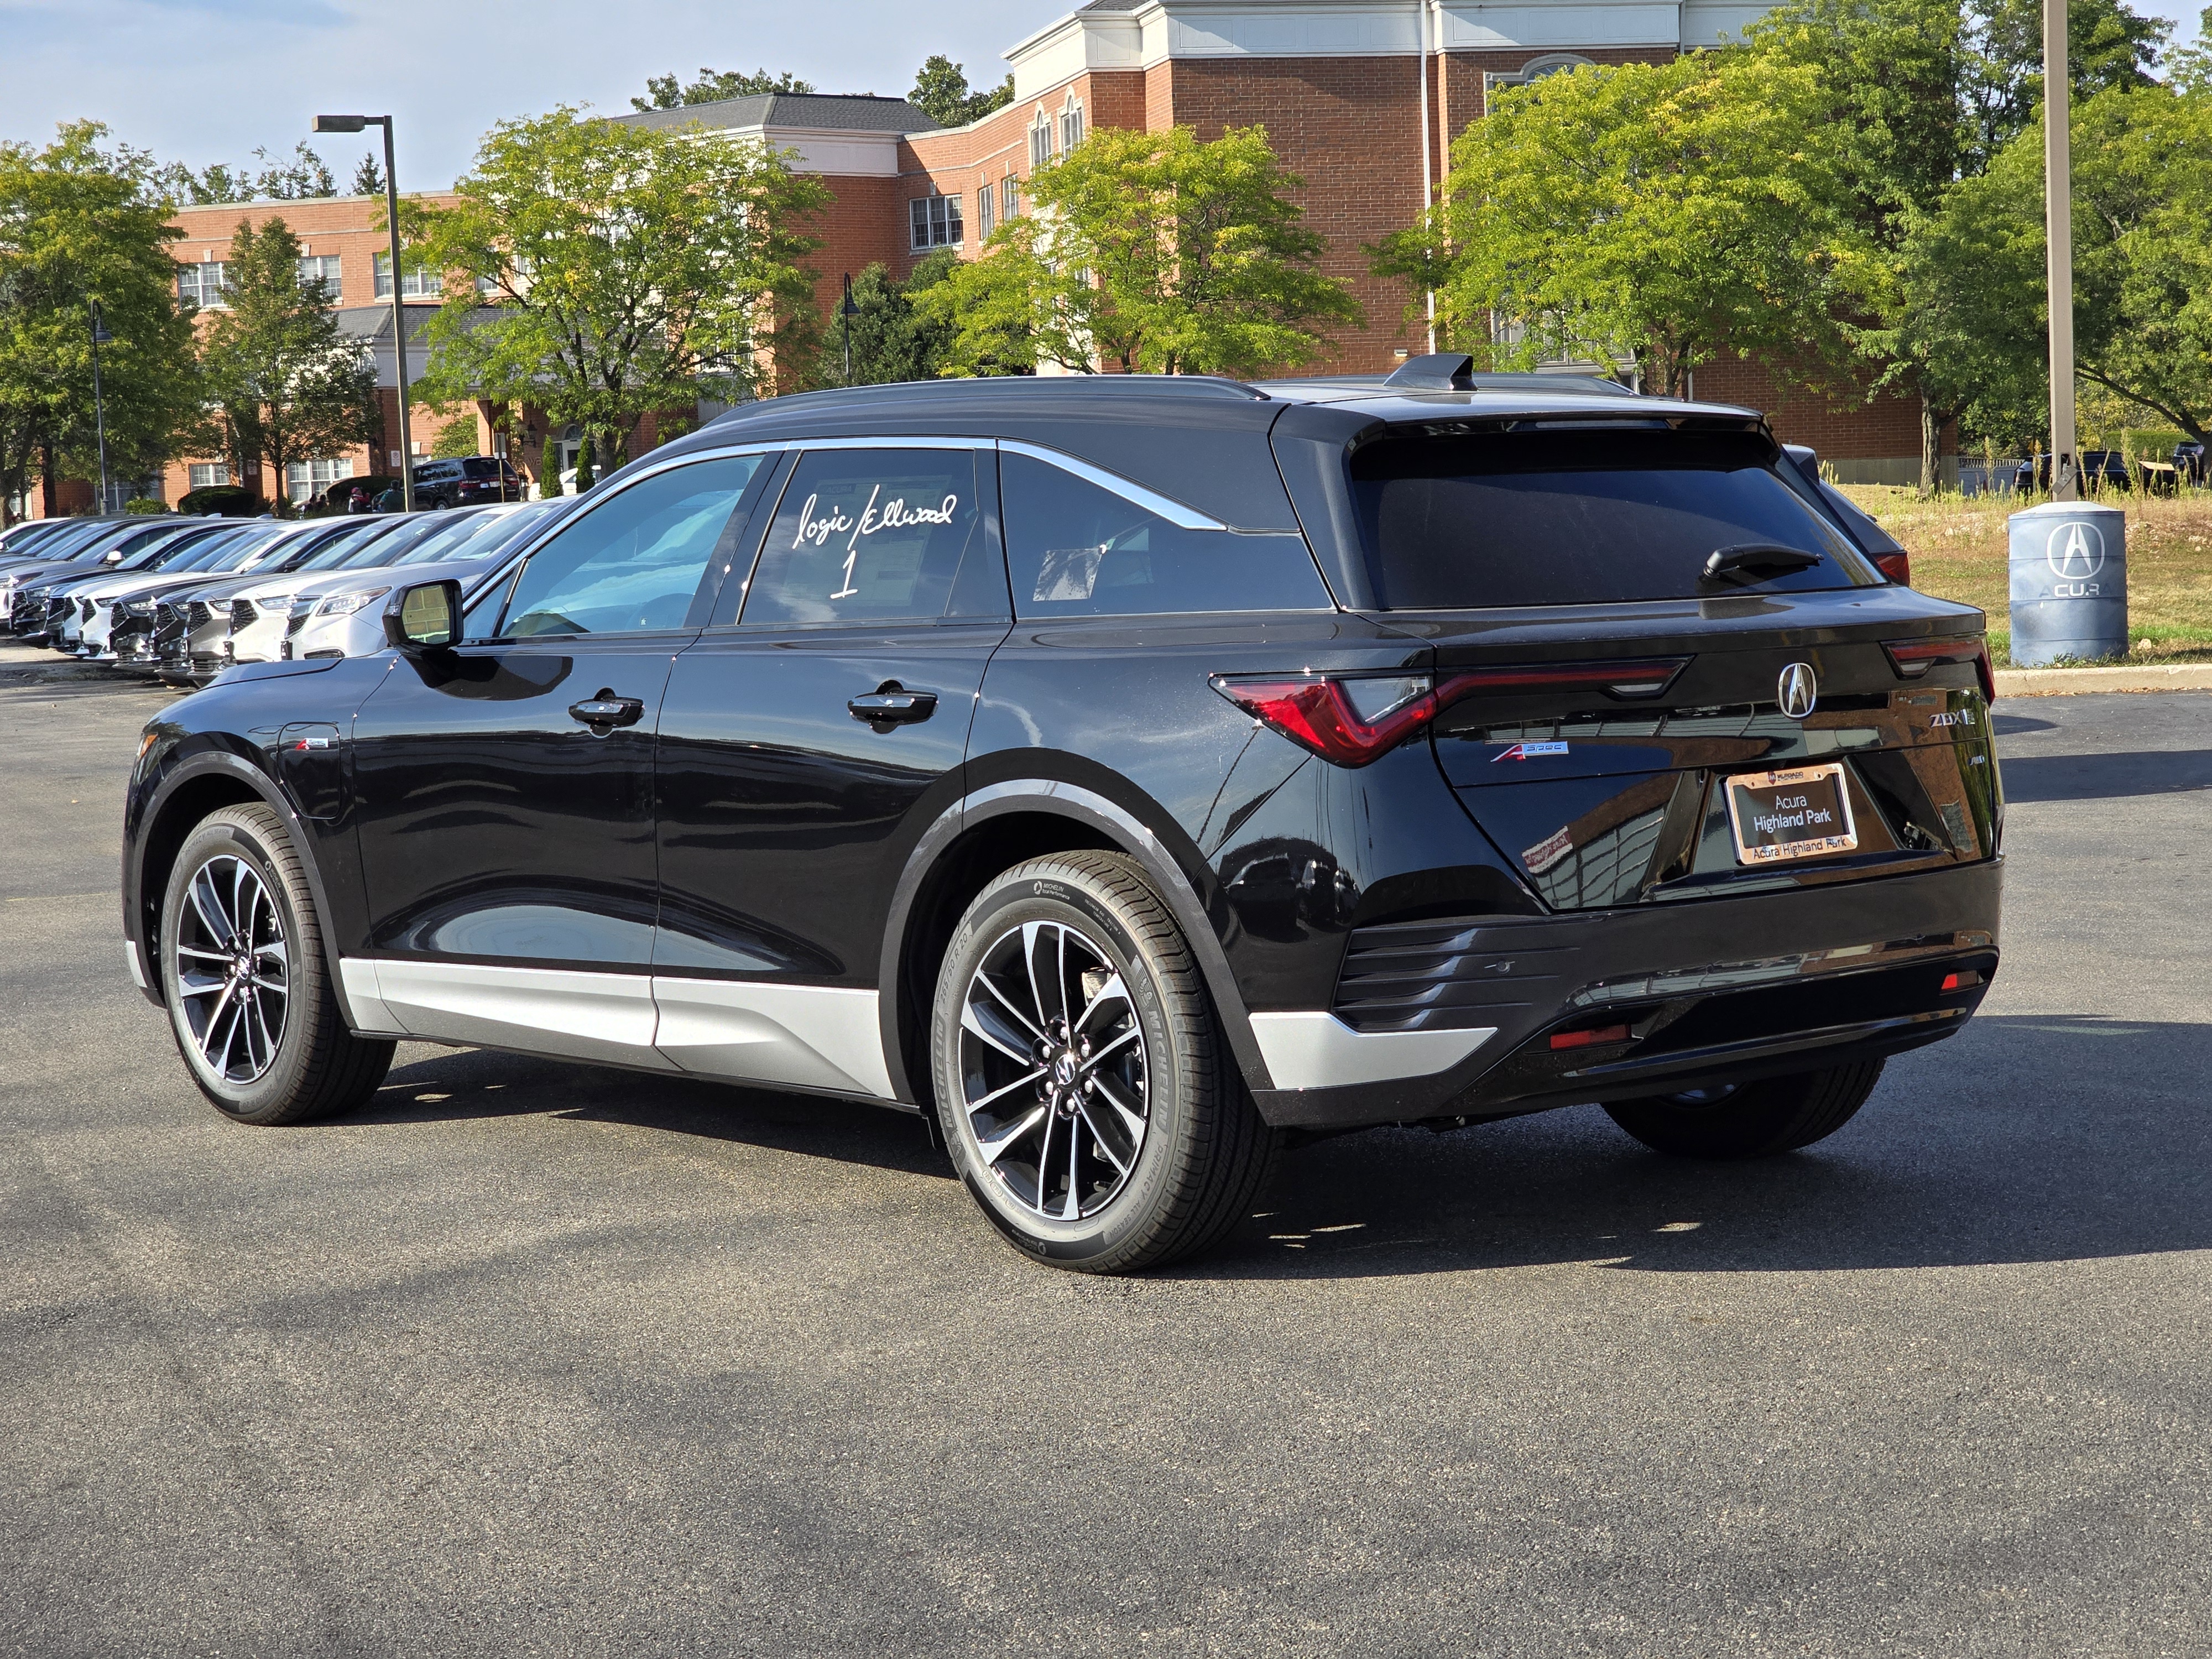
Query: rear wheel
(1750, 1119)
(243, 974)
(1086, 1093)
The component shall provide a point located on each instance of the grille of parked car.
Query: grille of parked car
(298, 619)
(196, 613)
(242, 613)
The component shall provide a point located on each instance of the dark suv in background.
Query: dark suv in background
(1129, 775)
(471, 481)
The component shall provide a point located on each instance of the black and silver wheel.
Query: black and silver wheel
(1084, 1089)
(243, 971)
(1750, 1119)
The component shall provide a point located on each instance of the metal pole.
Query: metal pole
(2059, 238)
(845, 323)
(1428, 184)
(98, 403)
(399, 324)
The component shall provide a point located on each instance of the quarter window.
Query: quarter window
(875, 535)
(634, 561)
(1078, 548)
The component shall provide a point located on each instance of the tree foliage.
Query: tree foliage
(714, 87)
(601, 271)
(82, 224)
(891, 338)
(2109, 47)
(1659, 212)
(941, 91)
(300, 176)
(368, 177)
(284, 384)
(1147, 250)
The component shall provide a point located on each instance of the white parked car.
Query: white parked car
(259, 613)
(344, 617)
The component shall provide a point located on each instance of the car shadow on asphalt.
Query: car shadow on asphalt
(2024, 1139)
(2100, 776)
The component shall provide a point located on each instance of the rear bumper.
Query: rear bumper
(1718, 991)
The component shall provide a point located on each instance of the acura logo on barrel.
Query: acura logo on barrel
(2075, 552)
(1796, 690)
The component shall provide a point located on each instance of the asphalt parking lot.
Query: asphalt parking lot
(534, 1358)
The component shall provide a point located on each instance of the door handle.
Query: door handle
(607, 709)
(893, 707)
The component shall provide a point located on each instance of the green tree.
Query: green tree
(1147, 250)
(2110, 47)
(940, 91)
(81, 224)
(301, 176)
(368, 177)
(715, 86)
(284, 385)
(1664, 213)
(606, 270)
(456, 437)
(892, 339)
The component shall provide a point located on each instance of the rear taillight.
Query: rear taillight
(1352, 720)
(1590, 1037)
(1898, 567)
(1912, 659)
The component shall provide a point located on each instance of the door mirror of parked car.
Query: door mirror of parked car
(424, 618)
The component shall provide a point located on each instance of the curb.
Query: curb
(2064, 682)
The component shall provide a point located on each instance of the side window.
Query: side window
(877, 535)
(634, 561)
(1076, 549)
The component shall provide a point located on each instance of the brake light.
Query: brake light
(1986, 671)
(1355, 720)
(1898, 567)
(1590, 1038)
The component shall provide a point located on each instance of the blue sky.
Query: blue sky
(202, 81)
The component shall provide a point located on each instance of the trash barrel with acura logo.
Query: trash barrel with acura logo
(2069, 583)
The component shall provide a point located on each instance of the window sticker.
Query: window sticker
(1068, 574)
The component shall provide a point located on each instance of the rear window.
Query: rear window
(480, 466)
(1581, 518)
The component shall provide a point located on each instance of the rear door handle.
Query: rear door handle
(882, 709)
(607, 709)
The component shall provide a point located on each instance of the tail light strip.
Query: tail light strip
(1912, 659)
(1322, 711)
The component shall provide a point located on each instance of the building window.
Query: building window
(1009, 199)
(202, 284)
(1041, 140)
(206, 475)
(320, 270)
(1071, 125)
(934, 221)
(420, 282)
(985, 217)
(305, 478)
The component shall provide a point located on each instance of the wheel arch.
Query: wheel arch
(205, 783)
(992, 830)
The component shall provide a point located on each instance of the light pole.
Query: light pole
(354, 123)
(2058, 250)
(100, 336)
(846, 313)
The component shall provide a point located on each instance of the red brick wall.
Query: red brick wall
(1885, 428)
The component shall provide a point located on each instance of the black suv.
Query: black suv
(1130, 776)
(471, 481)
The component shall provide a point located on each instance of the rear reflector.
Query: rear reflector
(1590, 1038)
(1354, 720)
(1964, 980)
(1898, 567)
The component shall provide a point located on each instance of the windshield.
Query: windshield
(387, 549)
(472, 538)
(249, 552)
(1586, 517)
(347, 541)
(172, 554)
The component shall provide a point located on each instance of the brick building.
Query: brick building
(1362, 97)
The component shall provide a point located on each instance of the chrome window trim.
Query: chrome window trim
(1164, 507)
(892, 440)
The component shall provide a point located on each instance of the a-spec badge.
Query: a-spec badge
(1797, 690)
(1529, 751)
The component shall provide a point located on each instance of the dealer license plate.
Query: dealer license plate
(1803, 812)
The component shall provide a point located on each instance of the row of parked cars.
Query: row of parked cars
(184, 598)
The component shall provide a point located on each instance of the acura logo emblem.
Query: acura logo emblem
(1796, 690)
(2075, 552)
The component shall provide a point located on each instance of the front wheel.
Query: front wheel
(1750, 1119)
(1086, 1093)
(242, 970)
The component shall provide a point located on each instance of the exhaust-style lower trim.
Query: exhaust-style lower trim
(1317, 1050)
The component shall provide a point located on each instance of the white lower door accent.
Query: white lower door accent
(812, 1035)
(542, 1010)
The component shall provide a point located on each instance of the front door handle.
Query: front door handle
(893, 707)
(607, 710)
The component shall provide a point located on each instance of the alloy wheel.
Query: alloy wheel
(232, 969)
(1052, 1069)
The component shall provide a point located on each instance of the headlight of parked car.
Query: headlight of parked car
(136, 607)
(345, 604)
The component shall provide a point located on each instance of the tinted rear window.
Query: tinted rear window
(1580, 518)
(480, 466)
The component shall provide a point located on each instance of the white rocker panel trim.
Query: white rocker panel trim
(1320, 1051)
(812, 1037)
(548, 1010)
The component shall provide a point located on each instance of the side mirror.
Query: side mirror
(424, 618)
